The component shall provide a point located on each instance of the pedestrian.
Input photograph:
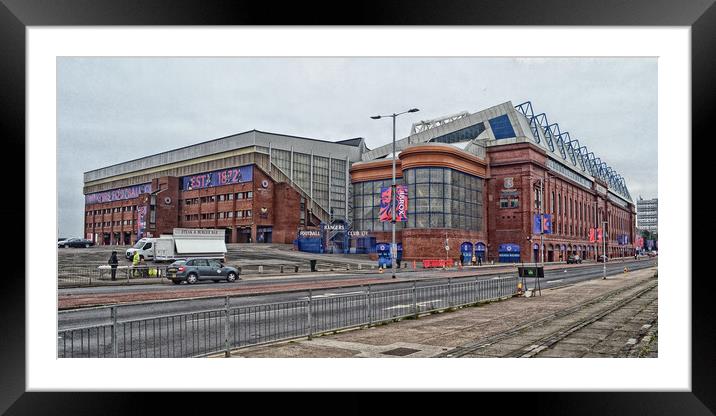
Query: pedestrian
(135, 263)
(113, 264)
(144, 270)
(479, 260)
(636, 255)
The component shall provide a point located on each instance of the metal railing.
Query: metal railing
(209, 332)
(90, 274)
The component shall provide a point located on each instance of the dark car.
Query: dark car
(75, 242)
(574, 259)
(195, 269)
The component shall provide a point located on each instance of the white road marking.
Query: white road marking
(410, 305)
(328, 295)
(646, 326)
(558, 280)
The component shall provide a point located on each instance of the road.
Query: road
(254, 322)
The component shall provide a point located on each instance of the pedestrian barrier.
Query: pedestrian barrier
(432, 263)
(93, 274)
(207, 332)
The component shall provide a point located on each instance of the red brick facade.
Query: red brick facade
(242, 209)
(512, 177)
(511, 174)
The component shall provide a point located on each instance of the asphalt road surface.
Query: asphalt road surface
(161, 328)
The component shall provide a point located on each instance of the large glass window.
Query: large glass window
(444, 198)
(366, 206)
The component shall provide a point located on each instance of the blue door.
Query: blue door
(480, 251)
(466, 252)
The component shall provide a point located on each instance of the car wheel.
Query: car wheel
(191, 279)
(67, 246)
(86, 245)
(231, 277)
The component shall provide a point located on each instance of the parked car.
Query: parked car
(194, 269)
(75, 242)
(603, 259)
(574, 259)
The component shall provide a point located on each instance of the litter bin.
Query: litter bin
(313, 265)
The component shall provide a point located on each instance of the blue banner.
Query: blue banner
(538, 226)
(217, 178)
(118, 194)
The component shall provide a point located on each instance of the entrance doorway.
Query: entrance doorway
(243, 234)
(263, 234)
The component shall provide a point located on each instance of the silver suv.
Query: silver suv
(195, 269)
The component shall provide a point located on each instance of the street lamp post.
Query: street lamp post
(393, 247)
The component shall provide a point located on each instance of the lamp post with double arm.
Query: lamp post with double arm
(393, 247)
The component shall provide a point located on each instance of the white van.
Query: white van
(183, 243)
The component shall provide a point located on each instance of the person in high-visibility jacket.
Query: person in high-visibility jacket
(135, 262)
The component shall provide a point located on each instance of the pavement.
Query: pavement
(437, 333)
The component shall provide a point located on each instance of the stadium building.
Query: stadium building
(476, 183)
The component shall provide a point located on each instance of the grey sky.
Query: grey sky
(112, 110)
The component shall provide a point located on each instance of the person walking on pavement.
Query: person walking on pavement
(113, 263)
(479, 260)
(135, 262)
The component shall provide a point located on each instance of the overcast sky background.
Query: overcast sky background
(111, 110)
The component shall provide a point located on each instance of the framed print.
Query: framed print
(39, 40)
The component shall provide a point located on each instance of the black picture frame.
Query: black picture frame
(17, 15)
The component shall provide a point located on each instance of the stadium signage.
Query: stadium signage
(129, 192)
(217, 178)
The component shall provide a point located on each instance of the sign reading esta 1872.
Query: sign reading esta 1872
(217, 178)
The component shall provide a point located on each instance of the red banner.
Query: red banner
(599, 235)
(386, 204)
(386, 200)
(591, 235)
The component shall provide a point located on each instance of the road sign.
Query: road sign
(447, 248)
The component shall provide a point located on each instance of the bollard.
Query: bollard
(295, 269)
(281, 268)
(360, 266)
(261, 269)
